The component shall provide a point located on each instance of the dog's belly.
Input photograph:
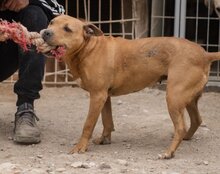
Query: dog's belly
(133, 85)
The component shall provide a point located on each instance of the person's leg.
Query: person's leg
(31, 63)
(8, 52)
(31, 71)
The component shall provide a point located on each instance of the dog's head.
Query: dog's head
(68, 32)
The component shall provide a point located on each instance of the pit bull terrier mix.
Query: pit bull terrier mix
(109, 66)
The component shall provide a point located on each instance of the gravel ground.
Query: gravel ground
(143, 130)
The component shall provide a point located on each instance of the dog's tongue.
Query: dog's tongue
(58, 53)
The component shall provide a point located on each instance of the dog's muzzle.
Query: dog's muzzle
(47, 34)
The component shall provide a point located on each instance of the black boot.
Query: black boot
(26, 130)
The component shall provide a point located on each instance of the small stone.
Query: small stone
(119, 102)
(203, 125)
(124, 170)
(128, 146)
(206, 162)
(145, 111)
(205, 129)
(10, 138)
(198, 163)
(104, 166)
(122, 162)
(91, 164)
(36, 171)
(40, 156)
(124, 115)
(77, 164)
(60, 169)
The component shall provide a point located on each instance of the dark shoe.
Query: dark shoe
(26, 130)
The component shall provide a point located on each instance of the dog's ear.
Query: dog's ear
(91, 30)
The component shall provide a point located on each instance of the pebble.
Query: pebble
(124, 115)
(10, 138)
(122, 162)
(128, 146)
(60, 170)
(205, 129)
(124, 171)
(104, 166)
(77, 164)
(203, 125)
(82, 165)
(206, 162)
(119, 102)
(36, 171)
(40, 156)
(145, 111)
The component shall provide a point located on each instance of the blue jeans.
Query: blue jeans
(30, 65)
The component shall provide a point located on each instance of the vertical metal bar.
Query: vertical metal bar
(45, 70)
(183, 18)
(197, 21)
(218, 62)
(208, 25)
(122, 16)
(66, 68)
(85, 10)
(110, 17)
(88, 10)
(66, 6)
(77, 8)
(163, 17)
(177, 18)
(133, 31)
(55, 71)
(100, 13)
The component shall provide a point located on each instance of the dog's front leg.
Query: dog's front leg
(97, 101)
(108, 124)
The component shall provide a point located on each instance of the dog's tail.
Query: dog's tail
(213, 56)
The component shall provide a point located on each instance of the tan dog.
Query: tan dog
(109, 66)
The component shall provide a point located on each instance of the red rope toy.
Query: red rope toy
(20, 35)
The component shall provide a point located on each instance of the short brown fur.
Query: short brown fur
(109, 66)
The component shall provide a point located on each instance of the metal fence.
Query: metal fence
(113, 17)
(191, 19)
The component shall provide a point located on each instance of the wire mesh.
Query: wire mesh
(108, 15)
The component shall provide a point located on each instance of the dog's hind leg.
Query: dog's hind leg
(108, 124)
(176, 110)
(195, 118)
(182, 90)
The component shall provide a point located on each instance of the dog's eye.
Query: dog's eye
(67, 29)
(51, 22)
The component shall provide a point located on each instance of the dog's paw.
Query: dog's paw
(102, 140)
(79, 148)
(166, 155)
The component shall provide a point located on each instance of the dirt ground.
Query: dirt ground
(143, 130)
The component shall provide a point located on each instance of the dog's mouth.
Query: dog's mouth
(56, 52)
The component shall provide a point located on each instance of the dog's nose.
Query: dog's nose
(47, 34)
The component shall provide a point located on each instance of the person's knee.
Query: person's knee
(34, 18)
